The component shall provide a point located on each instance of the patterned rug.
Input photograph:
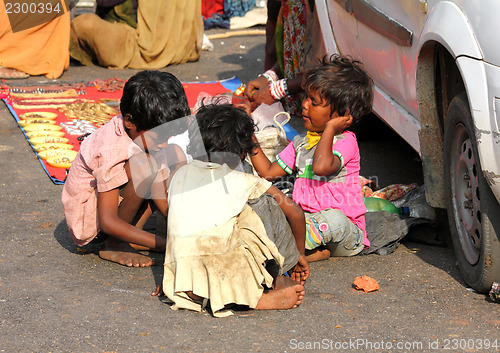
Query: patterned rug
(55, 119)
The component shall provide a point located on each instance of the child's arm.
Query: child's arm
(263, 166)
(176, 159)
(112, 224)
(324, 161)
(296, 219)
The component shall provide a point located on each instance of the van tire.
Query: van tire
(473, 211)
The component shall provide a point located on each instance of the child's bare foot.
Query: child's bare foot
(124, 254)
(284, 281)
(287, 294)
(318, 254)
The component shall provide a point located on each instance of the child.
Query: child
(217, 246)
(327, 158)
(101, 195)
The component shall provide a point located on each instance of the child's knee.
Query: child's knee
(330, 225)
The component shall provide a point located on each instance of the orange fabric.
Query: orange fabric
(39, 50)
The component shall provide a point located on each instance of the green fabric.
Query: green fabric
(123, 13)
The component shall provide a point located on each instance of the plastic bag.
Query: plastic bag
(264, 115)
(272, 138)
(417, 204)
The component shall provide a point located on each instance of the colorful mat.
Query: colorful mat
(74, 110)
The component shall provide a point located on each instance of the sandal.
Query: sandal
(12, 74)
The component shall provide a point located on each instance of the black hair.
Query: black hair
(152, 98)
(225, 128)
(343, 83)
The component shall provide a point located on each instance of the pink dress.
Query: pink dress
(341, 191)
(98, 167)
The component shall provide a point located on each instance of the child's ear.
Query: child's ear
(127, 122)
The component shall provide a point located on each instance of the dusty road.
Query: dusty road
(54, 298)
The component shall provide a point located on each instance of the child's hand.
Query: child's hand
(257, 92)
(256, 84)
(340, 123)
(300, 272)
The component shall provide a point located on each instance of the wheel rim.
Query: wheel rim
(466, 202)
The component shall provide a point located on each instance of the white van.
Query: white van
(436, 68)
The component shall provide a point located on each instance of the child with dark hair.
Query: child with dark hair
(326, 158)
(104, 195)
(219, 251)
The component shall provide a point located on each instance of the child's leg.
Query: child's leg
(120, 251)
(331, 233)
(134, 210)
(287, 294)
(278, 230)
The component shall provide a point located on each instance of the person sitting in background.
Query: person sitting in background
(167, 32)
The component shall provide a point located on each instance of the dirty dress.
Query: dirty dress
(216, 245)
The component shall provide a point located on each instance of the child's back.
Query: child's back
(217, 245)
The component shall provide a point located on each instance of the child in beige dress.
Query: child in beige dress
(218, 250)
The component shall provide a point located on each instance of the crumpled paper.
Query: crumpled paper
(366, 284)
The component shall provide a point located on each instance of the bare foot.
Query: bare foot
(12, 74)
(285, 281)
(124, 254)
(318, 254)
(287, 294)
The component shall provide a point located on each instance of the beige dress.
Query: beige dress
(216, 244)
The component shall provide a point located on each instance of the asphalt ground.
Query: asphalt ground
(55, 298)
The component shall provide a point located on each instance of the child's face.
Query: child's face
(148, 140)
(316, 112)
